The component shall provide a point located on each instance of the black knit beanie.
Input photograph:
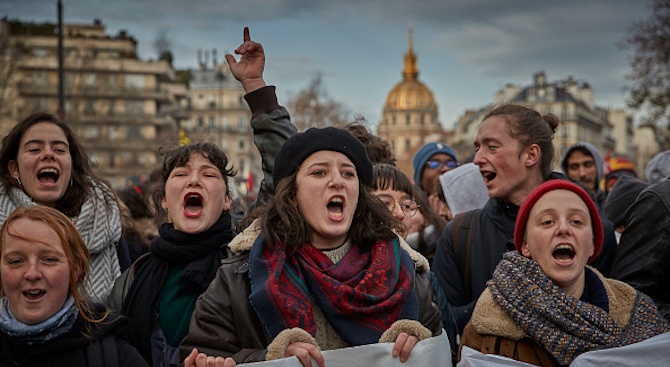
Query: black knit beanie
(621, 197)
(301, 145)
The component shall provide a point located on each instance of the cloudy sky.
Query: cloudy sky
(467, 49)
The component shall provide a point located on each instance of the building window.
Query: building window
(241, 122)
(241, 100)
(407, 144)
(40, 78)
(134, 107)
(241, 144)
(224, 122)
(40, 52)
(211, 122)
(135, 81)
(110, 108)
(40, 104)
(133, 132)
(407, 120)
(89, 107)
(91, 132)
(89, 79)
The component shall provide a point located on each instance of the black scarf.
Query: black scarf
(202, 252)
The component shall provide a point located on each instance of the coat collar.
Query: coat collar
(488, 318)
(245, 240)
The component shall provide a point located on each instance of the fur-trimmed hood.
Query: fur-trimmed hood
(488, 317)
(245, 240)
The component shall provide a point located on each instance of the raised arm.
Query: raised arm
(249, 70)
(270, 121)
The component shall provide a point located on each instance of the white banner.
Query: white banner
(653, 352)
(430, 352)
(474, 358)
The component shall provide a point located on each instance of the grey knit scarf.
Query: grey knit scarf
(562, 324)
(58, 324)
(99, 224)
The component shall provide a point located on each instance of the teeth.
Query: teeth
(48, 170)
(336, 200)
(34, 292)
(564, 247)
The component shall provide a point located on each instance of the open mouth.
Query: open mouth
(564, 253)
(48, 176)
(34, 294)
(193, 204)
(488, 176)
(336, 207)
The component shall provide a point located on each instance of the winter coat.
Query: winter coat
(493, 235)
(225, 324)
(74, 348)
(643, 254)
(492, 331)
(272, 127)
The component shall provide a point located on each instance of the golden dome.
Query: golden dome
(410, 93)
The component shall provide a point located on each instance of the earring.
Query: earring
(18, 180)
(70, 181)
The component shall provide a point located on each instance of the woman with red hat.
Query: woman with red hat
(544, 305)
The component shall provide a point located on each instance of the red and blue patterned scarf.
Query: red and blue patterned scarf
(360, 296)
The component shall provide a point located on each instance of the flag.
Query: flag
(250, 181)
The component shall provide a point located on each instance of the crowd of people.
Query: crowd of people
(340, 248)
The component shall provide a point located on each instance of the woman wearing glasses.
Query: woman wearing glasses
(423, 227)
(396, 191)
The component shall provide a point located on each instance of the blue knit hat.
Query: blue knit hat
(423, 155)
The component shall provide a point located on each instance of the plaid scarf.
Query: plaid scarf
(562, 324)
(360, 296)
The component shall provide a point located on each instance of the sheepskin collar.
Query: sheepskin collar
(488, 318)
(245, 240)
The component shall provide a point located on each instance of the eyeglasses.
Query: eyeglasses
(440, 164)
(408, 206)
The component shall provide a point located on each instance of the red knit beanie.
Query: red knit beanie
(558, 184)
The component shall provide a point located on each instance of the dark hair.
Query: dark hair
(179, 157)
(79, 190)
(378, 149)
(582, 150)
(74, 248)
(528, 127)
(135, 197)
(386, 176)
(282, 224)
(431, 217)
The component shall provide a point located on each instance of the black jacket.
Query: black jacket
(643, 257)
(72, 348)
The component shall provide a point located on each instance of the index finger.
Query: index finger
(246, 34)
